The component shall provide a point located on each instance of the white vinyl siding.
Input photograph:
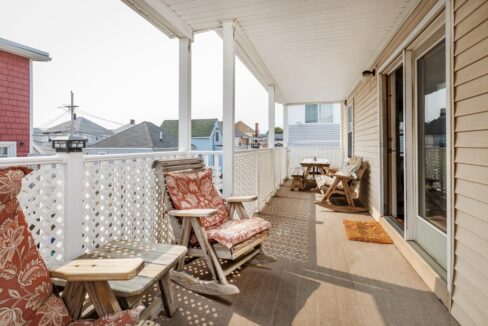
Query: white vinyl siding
(366, 141)
(470, 290)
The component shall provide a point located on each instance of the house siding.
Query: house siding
(470, 86)
(366, 134)
(15, 101)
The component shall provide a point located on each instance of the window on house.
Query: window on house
(349, 131)
(216, 136)
(326, 114)
(311, 113)
(8, 149)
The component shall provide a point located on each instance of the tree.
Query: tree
(278, 130)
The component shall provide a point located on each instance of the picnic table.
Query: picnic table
(319, 165)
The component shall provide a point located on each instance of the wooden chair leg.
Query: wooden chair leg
(167, 295)
(348, 193)
(330, 190)
(184, 238)
(212, 260)
(74, 296)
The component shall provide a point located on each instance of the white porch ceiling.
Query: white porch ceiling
(314, 50)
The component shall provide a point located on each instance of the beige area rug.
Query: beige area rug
(370, 231)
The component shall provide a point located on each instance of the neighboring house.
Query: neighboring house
(143, 137)
(244, 128)
(82, 128)
(242, 139)
(131, 124)
(206, 134)
(16, 97)
(314, 125)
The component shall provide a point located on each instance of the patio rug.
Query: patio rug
(370, 231)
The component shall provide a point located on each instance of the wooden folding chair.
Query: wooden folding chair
(341, 185)
(186, 221)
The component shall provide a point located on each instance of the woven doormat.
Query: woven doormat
(370, 231)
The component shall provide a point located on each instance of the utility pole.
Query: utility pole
(72, 107)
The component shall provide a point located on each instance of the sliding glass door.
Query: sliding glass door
(431, 166)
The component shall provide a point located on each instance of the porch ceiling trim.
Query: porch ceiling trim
(161, 16)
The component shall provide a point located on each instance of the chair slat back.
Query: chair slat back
(353, 184)
(161, 168)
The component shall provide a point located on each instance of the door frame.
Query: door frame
(438, 18)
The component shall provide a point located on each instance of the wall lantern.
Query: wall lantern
(69, 144)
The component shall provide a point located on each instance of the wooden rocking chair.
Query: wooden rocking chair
(186, 221)
(342, 185)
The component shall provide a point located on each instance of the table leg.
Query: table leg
(74, 297)
(167, 295)
(307, 171)
(102, 297)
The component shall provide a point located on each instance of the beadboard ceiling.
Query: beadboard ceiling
(314, 50)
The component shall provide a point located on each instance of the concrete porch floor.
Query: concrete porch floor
(321, 278)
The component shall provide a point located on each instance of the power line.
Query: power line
(53, 120)
(97, 117)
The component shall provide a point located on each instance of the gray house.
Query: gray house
(143, 137)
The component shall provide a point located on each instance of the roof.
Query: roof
(142, 135)
(244, 128)
(199, 127)
(311, 51)
(23, 50)
(124, 127)
(80, 125)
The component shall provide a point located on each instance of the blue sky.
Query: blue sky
(120, 66)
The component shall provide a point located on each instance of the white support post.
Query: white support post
(228, 107)
(271, 116)
(285, 125)
(184, 124)
(73, 205)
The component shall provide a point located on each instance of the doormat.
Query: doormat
(370, 231)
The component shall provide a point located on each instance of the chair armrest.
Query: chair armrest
(98, 269)
(240, 199)
(196, 212)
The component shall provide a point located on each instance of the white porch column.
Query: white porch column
(229, 108)
(184, 118)
(271, 116)
(285, 125)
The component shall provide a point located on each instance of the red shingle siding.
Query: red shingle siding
(15, 101)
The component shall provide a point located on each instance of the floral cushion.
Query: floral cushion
(196, 190)
(26, 287)
(236, 231)
(26, 292)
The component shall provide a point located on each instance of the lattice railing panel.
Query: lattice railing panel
(266, 174)
(277, 166)
(122, 201)
(245, 176)
(42, 200)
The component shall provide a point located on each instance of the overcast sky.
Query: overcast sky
(120, 66)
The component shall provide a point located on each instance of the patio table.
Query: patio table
(322, 165)
(158, 259)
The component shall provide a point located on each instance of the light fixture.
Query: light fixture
(69, 144)
(369, 73)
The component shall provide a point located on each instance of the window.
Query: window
(311, 113)
(216, 136)
(8, 149)
(349, 131)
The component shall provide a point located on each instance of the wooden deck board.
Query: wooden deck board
(320, 278)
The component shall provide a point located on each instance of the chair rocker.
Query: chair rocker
(340, 189)
(187, 225)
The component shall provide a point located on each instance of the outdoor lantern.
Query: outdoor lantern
(69, 144)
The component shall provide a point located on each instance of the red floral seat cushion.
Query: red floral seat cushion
(26, 292)
(236, 231)
(196, 190)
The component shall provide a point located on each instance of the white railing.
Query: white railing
(297, 154)
(117, 195)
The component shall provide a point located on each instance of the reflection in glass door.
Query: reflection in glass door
(431, 222)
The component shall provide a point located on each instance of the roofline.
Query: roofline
(23, 50)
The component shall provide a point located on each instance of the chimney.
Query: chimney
(132, 121)
(161, 136)
(256, 129)
(74, 116)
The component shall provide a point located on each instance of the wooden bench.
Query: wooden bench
(297, 182)
(159, 260)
